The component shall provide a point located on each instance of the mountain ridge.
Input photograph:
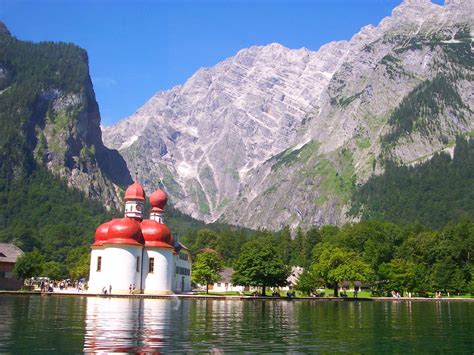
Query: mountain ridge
(224, 139)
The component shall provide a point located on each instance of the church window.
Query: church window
(99, 263)
(151, 265)
(138, 264)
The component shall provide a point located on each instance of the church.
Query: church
(138, 255)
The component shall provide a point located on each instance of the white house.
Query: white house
(224, 284)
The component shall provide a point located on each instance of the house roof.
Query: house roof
(296, 271)
(226, 274)
(9, 252)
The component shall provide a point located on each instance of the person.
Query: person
(130, 288)
(133, 288)
(104, 290)
(110, 289)
(355, 292)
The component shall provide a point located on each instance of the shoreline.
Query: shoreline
(236, 297)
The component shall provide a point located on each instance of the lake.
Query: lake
(74, 324)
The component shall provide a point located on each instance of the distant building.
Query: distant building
(139, 255)
(292, 279)
(9, 253)
(224, 284)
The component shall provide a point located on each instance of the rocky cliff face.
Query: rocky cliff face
(69, 142)
(49, 116)
(275, 136)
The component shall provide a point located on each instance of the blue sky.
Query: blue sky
(137, 48)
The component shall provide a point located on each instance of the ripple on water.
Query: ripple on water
(36, 324)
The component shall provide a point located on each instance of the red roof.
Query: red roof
(124, 231)
(135, 192)
(101, 233)
(156, 234)
(158, 200)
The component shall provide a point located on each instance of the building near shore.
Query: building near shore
(225, 283)
(9, 253)
(137, 255)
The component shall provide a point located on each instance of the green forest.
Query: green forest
(383, 255)
(434, 193)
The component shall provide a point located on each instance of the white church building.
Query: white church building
(138, 255)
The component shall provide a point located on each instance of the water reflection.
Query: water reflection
(219, 326)
(35, 324)
(126, 325)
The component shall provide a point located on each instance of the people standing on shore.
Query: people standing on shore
(110, 289)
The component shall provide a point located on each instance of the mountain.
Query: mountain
(276, 136)
(58, 181)
(49, 118)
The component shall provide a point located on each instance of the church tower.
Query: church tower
(158, 200)
(134, 201)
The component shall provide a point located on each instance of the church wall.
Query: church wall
(120, 267)
(160, 280)
(95, 278)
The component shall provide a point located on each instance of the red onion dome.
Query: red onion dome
(135, 192)
(156, 234)
(101, 233)
(158, 200)
(124, 231)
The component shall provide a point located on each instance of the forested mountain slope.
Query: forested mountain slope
(433, 193)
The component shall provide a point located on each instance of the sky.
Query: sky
(137, 48)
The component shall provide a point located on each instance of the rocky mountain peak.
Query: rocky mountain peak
(288, 132)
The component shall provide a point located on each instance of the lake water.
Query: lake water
(45, 324)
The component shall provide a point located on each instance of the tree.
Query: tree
(404, 275)
(206, 238)
(285, 245)
(29, 265)
(446, 275)
(54, 270)
(308, 282)
(334, 265)
(207, 268)
(81, 268)
(259, 265)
